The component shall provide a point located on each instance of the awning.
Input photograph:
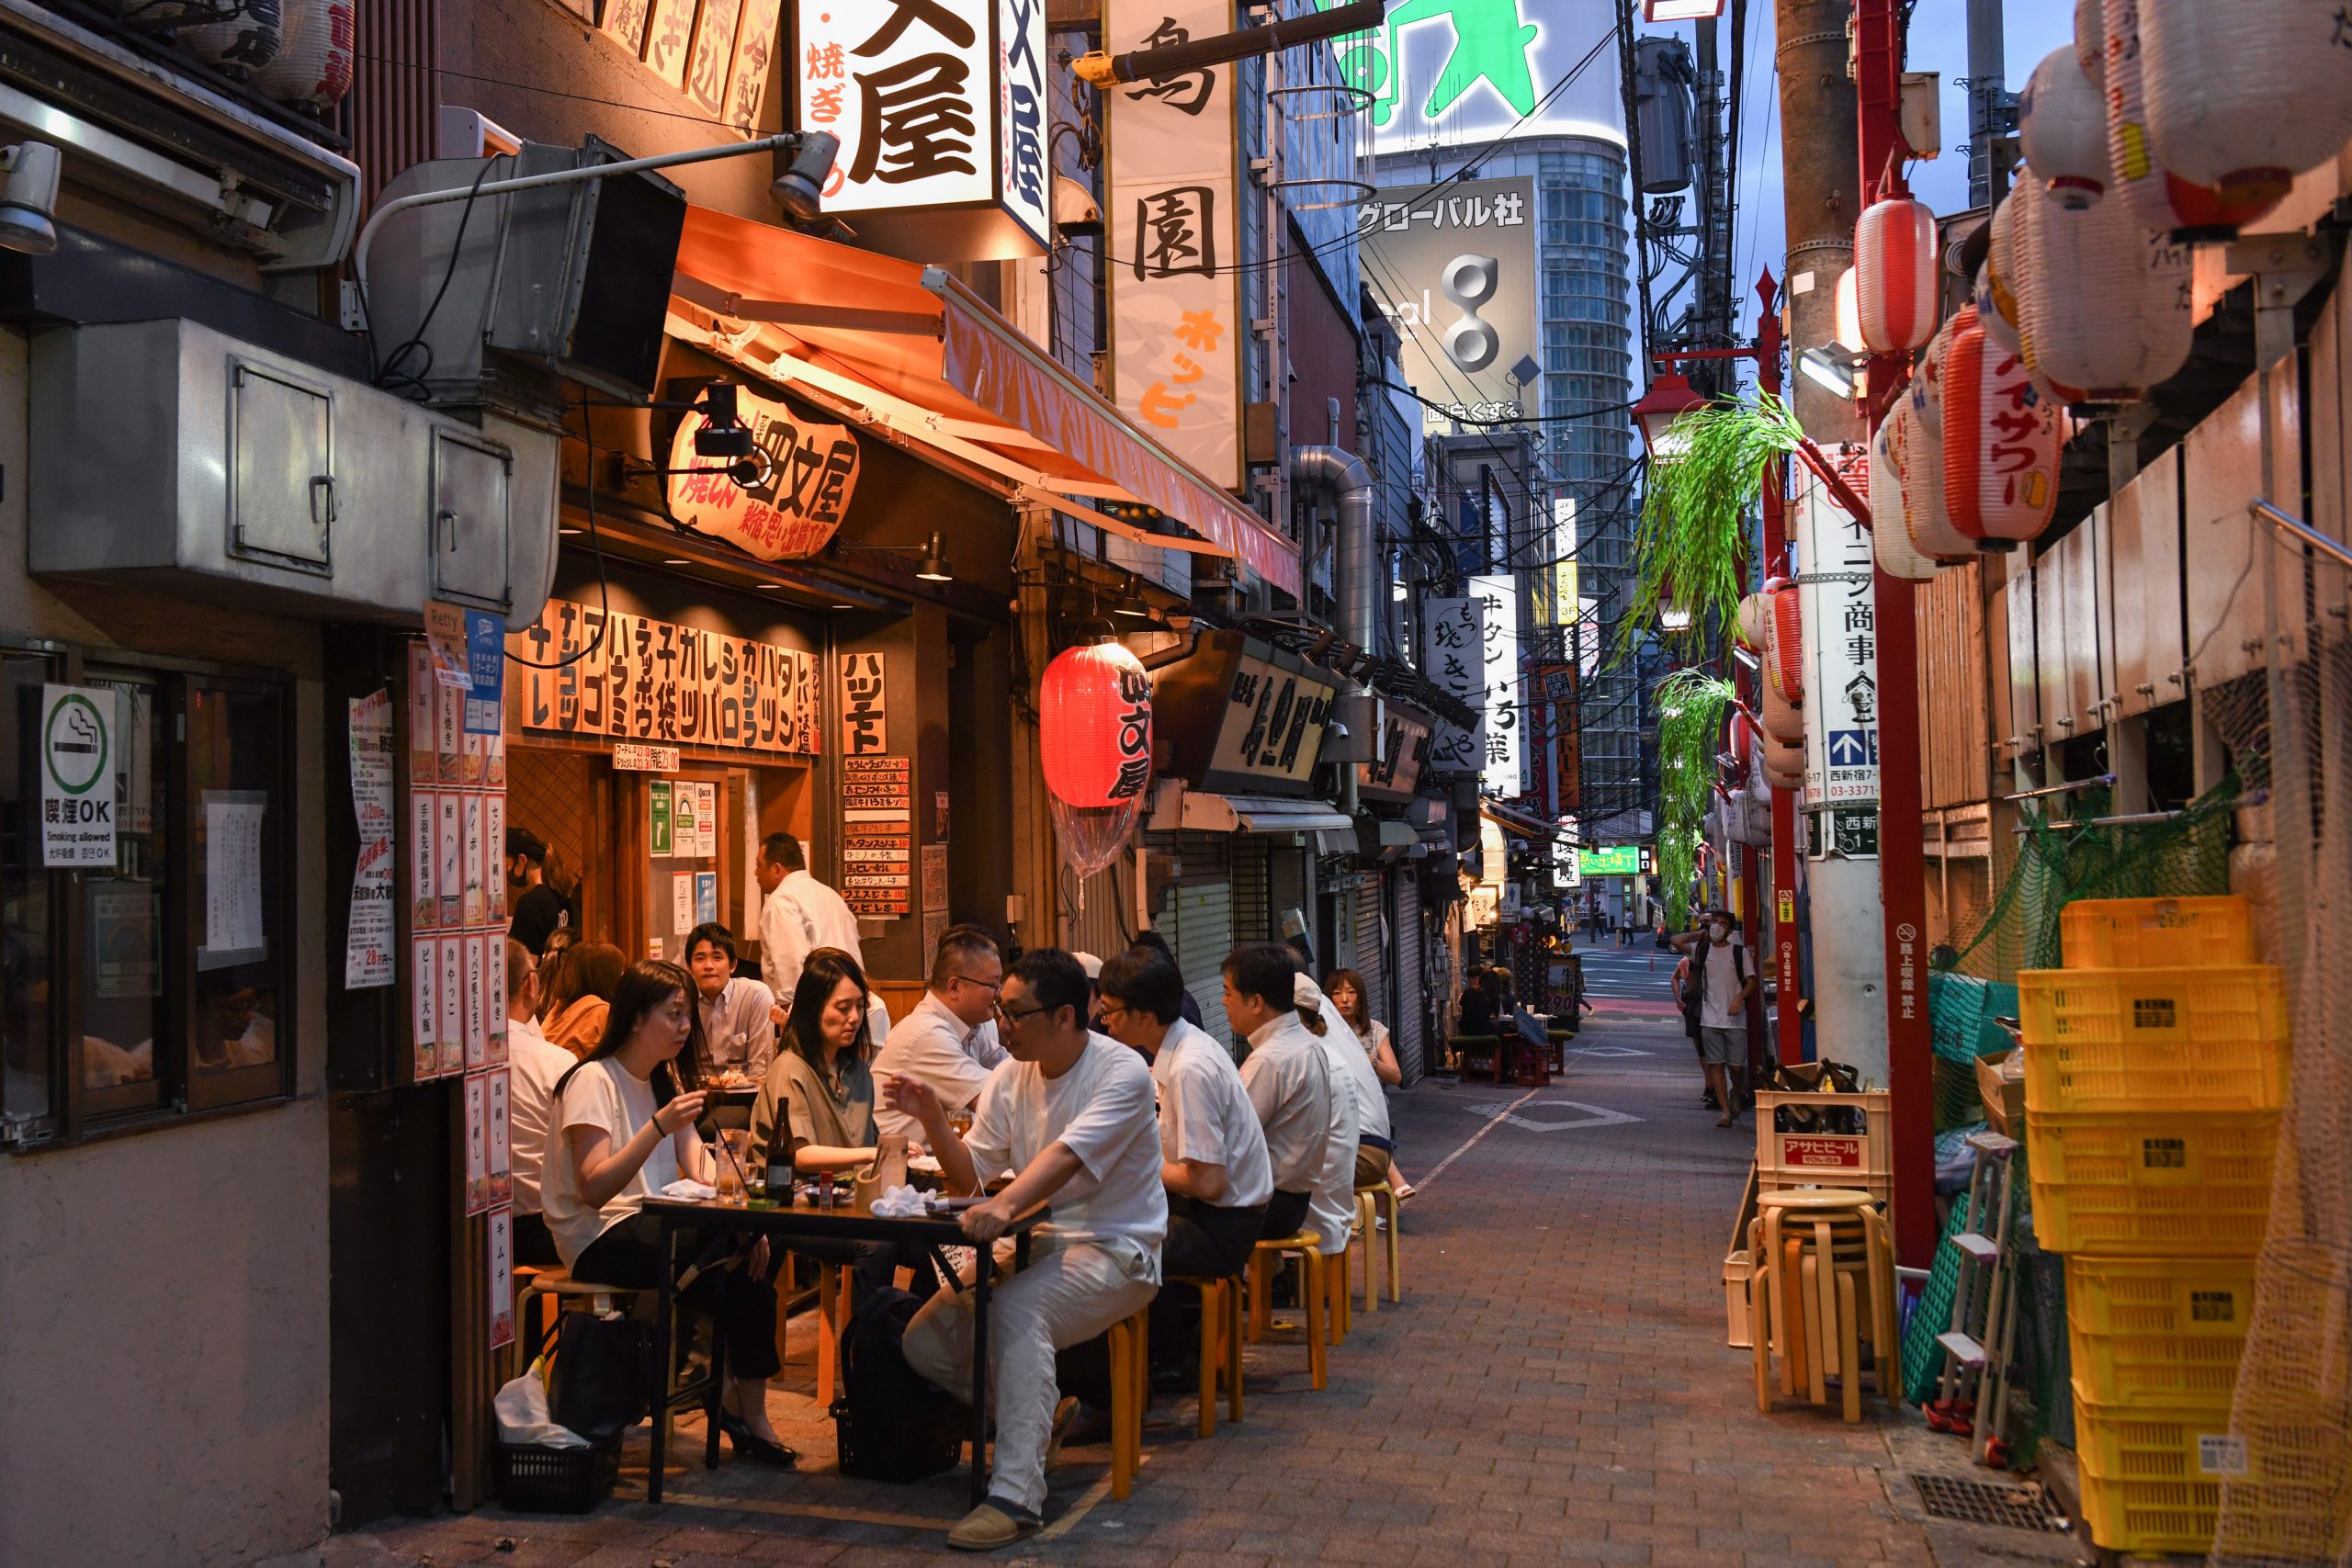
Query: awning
(914, 349)
(1202, 811)
(1517, 822)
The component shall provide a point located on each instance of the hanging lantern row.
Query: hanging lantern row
(1786, 665)
(2062, 123)
(2242, 98)
(2165, 196)
(1891, 544)
(2001, 442)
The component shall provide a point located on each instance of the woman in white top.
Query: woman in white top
(1349, 993)
(626, 1115)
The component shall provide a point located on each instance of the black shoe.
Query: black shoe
(1708, 1100)
(745, 1441)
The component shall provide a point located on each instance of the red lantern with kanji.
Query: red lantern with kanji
(2001, 442)
(1896, 271)
(1094, 726)
(1785, 670)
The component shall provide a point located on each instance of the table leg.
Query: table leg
(715, 1395)
(661, 1332)
(981, 1270)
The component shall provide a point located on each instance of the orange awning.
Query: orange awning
(922, 352)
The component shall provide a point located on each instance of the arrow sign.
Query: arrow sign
(1853, 748)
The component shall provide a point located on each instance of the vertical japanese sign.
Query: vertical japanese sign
(371, 929)
(938, 105)
(1498, 644)
(1171, 225)
(1457, 662)
(865, 718)
(1841, 658)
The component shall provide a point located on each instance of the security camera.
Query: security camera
(28, 197)
(800, 189)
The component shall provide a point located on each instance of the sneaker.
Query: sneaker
(1725, 1119)
(995, 1523)
(1065, 1418)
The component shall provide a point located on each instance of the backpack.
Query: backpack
(891, 1423)
(1697, 990)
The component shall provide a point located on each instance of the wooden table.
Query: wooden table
(845, 1222)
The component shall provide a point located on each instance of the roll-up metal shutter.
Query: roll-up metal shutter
(1408, 1028)
(1371, 952)
(1196, 916)
(1253, 912)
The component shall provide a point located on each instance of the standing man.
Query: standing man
(738, 1030)
(1289, 1083)
(1719, 968)
(800, 915)
(1072, 1114)
(947, 1040)
(538, 910)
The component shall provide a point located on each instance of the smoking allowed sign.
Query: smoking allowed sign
(78, 757)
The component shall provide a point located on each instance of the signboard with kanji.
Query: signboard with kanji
(1454, 267)
(1840, 640)
(807, 473)
(644, 680)
(1456, 660)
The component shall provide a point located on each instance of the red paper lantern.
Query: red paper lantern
(1094, 725)
(2001, 441)
(1787, 669)
(1897, 264)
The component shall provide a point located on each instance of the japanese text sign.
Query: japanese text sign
(79, 759)
(1454, 267)
(808, 473)
(1173, 234)
(1840, 640)
(657, 681)
(1498, 644)
(864, 708)
(940, 104)
(1456, 660)
(1274, 723)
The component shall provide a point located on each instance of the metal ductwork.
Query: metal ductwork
(1333, 474)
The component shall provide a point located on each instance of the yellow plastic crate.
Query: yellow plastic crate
(2152, 1477)
(2153, 1038)
(2156, 933)
(2158, 1331)
(2132, 1184)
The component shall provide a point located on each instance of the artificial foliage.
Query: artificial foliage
(1694, 528)
(1690, 705)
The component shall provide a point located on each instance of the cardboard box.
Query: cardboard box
(2001, 1083)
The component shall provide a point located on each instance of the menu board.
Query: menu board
(648, 679)
(453, 892)
(877, 822)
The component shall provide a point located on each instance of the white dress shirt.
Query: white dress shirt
(736, 1028)
(932, 1046)
(799, 917)
(1205, 1115)
(1364, 1083)
(1290, 1087)
(1333, 1211)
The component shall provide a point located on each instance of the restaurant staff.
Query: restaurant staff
(799, 915)
(739, 1034)
(538, 908)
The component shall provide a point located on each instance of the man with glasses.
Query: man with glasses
(947, 1041)
(1072, 1114)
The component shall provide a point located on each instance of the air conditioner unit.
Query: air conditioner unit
(497, 300)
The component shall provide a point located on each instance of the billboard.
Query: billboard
(1454, 267)
(1615, 860)
(1456, 73)
(1506, 714)
(1173, 237)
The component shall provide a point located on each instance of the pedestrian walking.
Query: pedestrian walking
(1719, 965)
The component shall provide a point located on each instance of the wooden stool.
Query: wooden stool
(1822, 1286)
(1313, 1298)
(1220, 1346)
(1130, 1392)
(1338, 1317)
(1370, 1202)
(538, 1285)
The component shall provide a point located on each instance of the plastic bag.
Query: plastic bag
(521, 1407)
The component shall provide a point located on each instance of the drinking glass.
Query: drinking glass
(735, 1148)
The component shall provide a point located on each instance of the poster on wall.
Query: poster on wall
(496, 1089)
(423, 858)
(424, 1007)
(1172, 238)
(658, 680)
(476, 1143)
(79, 742)
(878, 819)
(371, 929)
(450, 990)
(502, 1277)
(233, 824)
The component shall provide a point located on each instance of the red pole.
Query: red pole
(1878, 39)
(1791, 1016)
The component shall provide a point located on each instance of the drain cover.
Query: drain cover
(1977, 1503)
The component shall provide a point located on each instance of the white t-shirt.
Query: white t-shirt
(1205, 1115)
(533, 1067)
(1102, 1111)
(1290, 1087)
(1371, 1105)
(601, 1094)
(1723, 985)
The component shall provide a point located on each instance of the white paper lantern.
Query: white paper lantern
(2061, 121)
(1898, 266)
(2243, 97)
(1933, 534)
(2090, 39)
(1754, 623)
(1891, 544)
(313, 66)
(2165, 199)
(2113, 316)
(2001, 442)
(1996, 300)
(241, 45)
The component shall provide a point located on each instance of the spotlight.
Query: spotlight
(1824, 368)
(799, 190)
(933, 566)
(28, 197)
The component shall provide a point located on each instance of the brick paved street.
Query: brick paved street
(1555, 1388)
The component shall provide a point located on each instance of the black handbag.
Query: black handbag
(603, 1370)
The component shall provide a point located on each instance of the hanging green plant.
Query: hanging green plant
(1690, 705)
(1688, 546)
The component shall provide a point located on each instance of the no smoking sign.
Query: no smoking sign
(77, 758)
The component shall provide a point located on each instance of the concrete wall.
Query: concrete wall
(163, 1360)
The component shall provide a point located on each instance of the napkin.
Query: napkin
(900, 1203)
(688, 1188)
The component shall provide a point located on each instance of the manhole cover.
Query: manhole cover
(1976, 1503)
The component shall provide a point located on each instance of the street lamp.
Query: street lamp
(1681, 10)
(1670, 396)
(1840, 373)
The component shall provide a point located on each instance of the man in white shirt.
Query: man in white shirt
(799, 915)
(1333, 1213)
(1719, 965)
(738, 1032)
(1301, 1107)
(947, 1040)
(533, 1067)
(1373, 1140)
(1072, 1114)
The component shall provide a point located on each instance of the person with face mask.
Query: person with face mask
(1719, 968)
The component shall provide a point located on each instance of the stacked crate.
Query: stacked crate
(2155, 1063)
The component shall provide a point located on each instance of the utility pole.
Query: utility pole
(1991, 107)
(1818, 157)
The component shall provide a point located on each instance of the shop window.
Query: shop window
(154, 980)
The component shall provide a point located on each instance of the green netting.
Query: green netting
(1923, 1358)
(1960, 1011)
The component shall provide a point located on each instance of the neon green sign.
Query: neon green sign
(1617, 860)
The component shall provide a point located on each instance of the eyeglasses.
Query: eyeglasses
(1120, 1009)
(990, 987)
(1009, 1016)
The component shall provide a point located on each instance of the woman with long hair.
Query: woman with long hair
(625, 1114)
(1352, 998)
(580, 995)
